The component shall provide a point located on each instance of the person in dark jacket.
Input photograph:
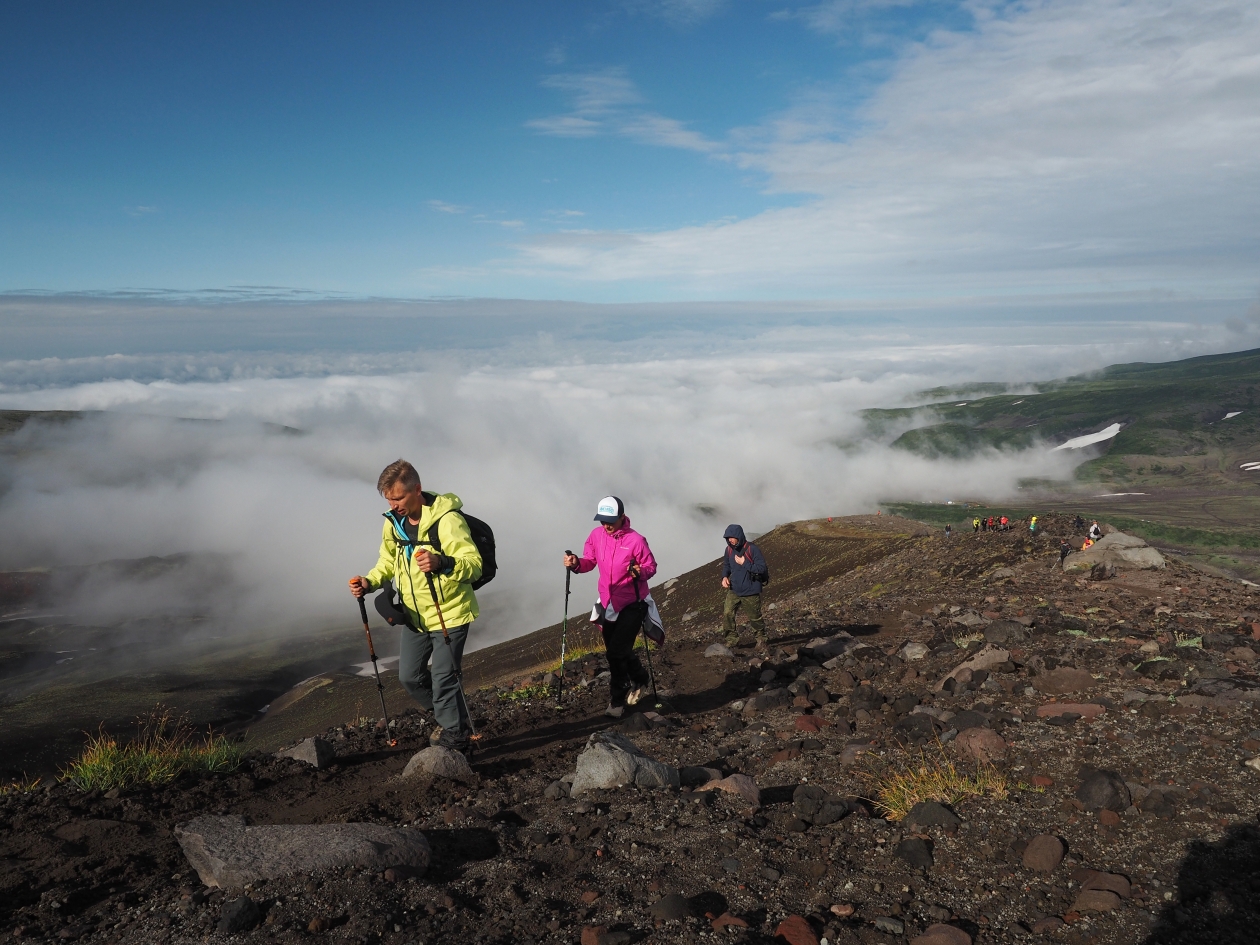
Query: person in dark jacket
(744, 574)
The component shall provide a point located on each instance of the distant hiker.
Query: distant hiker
(744, 574)
(1079, 523)
(975, 525)
(420, 574)
(992, 524)
(1087, 543)
(1095, 532)
(1032, 525)
(625, 565)
(1005, 523)
(948, 531)
(1064, 550)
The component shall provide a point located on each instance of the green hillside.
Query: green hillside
(1172, 416)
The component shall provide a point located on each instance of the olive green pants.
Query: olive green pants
(751, 606)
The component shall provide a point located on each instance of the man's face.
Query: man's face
(405, 500)
(733, 542)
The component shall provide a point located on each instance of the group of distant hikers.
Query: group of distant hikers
(434, 556)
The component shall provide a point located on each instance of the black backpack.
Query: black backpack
(483, 538)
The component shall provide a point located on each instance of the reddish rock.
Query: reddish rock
(1042, 780)
(740, 784)
(590, 896)
(1111, 882)
(941, 934)
(726, 920)
(1096, 900)
(842, 909)
(1051, 923)
(591, 934)
(980, 744)
(1109, 818)
(796, 931)
(1241, 654)
(1070, 917)
(809, 723)
(1064, 679)
(787, 754)
(317, 925)
(1086, 710)
(1044, 853)
(801, 702)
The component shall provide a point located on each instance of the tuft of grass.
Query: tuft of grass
(22, 785)
(164, 748)
(526, 693)
(930, 776)
(1074, 633)
(964, 641)
(1186, 639)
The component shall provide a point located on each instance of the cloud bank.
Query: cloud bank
(1056, 145)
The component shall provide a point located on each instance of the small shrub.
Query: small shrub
(164, 748)
(1186, 639)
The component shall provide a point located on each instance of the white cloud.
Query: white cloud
(678, 12)
(443, 207)
(141, 211)
(300, 512)
(607, 102)
(1066, 145)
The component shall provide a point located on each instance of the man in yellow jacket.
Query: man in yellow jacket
(420, 573)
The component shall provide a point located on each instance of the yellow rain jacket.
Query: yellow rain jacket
(453, 586)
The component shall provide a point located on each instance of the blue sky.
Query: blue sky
(654, 150)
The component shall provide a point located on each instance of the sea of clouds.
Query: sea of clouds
(267, 457)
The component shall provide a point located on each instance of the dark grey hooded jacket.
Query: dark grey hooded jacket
(749, 578)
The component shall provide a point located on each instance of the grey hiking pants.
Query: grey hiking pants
(437, 688)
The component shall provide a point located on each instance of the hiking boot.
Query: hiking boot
(634, 695)
(615, 711)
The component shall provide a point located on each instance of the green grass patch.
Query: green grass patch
(163, 749)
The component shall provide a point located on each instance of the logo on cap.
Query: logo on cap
(609, 510)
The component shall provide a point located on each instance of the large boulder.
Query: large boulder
(227, 853)
(610, 760)
(1118, 550)
(439, 762)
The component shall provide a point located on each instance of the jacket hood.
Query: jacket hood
(735, 531)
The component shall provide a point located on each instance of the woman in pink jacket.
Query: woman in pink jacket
(625, 565)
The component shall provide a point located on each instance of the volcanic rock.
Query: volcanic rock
(1103, 789)
(941, 934)
(814, 805)
(1055, 682)
(225, 852)
(611, 760)
(915, 851)
(1096, 900)
(314, 751)
(796, 931)
(719, 651)
(240, 915)
(438, 762)
(1044, 853)
(987, 658)
(933, 814)
(980, 744)
(670, 908)
(740, 784)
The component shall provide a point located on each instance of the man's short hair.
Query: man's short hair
(399, 472)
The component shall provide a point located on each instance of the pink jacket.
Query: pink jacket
(612, 554)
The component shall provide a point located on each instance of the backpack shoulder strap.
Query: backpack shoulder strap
(434, 540)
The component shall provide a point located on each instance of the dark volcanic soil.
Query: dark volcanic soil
(516, 860)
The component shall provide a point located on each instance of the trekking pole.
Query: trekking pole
(564, 627)
(459, 672)
(656, 700)
(380, 689)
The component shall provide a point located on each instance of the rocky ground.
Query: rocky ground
(1116, 719)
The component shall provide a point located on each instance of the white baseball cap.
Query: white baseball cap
(609, 510)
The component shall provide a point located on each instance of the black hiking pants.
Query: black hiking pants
(623, 663)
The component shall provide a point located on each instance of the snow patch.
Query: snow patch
(1089, 438)
(1232, 413)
